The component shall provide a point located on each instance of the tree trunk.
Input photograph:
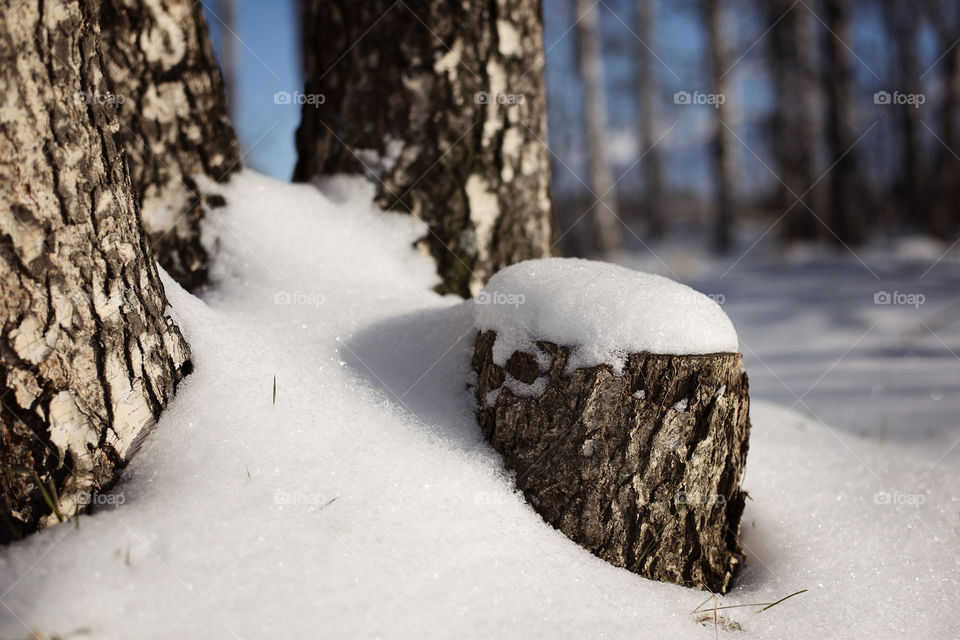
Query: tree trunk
(608, 235)
(723, 167)
(844, 187)
(88, 357)
(442, 103)
(794, 122)
(910, 194)
(642, 469)
(945, 216)
(173, 121)
(649, 104)
(230, 54)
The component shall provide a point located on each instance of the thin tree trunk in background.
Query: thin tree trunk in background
(88, 358)
(608, 235)
(648, 102)
(442, 103)
(173, 120)
(945, 215)
(910, 192)
(722, 146)
(794, 128)
(843, 178)
(229, 54)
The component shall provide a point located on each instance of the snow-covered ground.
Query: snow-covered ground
(365, 503)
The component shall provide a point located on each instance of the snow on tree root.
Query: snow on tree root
(639, 462)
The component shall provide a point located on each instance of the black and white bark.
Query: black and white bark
(88, 356)
(173, 121)
(607, 231)
(723, 167)
(441, 103)
(642, 468)
(648, 100)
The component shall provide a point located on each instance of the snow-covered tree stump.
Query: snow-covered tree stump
(635, 455)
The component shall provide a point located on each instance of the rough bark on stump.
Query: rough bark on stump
(173, 121)
(642, 469)
(88, 357)
(442, 102)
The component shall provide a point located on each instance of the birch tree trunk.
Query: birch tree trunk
(649, 102)
(608, 235)
(440, 102)
(173, 120)
(88, 356)
(722, 145)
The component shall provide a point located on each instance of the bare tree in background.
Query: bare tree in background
(794, 124)
(174, 122)
(442, 103)
(909, 189)
(945, 214)
(648, 102)
(845, 191)
(88, 356)
(608, 234)
(721, 144)
(229, 53)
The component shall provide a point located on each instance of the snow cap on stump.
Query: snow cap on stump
(601, 311)
(620, 401)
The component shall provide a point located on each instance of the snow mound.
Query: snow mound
(603, 311)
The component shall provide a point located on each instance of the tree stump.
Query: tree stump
(642, 468)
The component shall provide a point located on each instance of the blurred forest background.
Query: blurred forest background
(713, 121)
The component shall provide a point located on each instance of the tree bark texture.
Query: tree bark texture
(88, 357)
(642, 469)
(442, 103)
(173, 120)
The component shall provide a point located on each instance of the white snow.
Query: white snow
(365, 502)
(603, 311)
